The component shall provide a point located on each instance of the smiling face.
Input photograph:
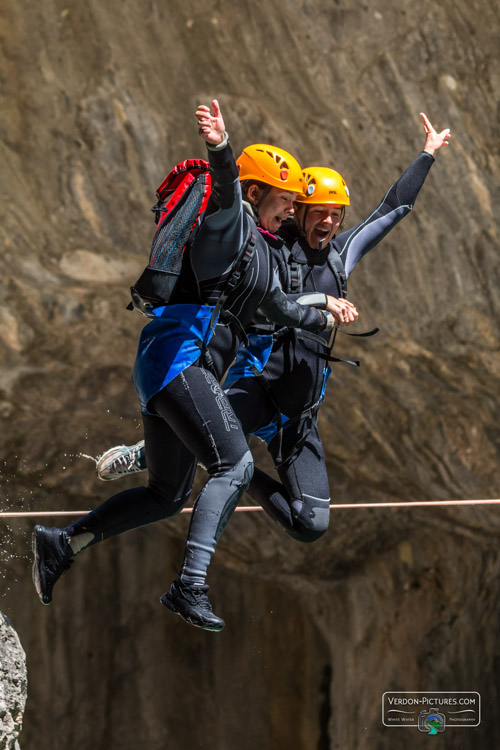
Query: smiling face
(276, 206)
(321, 222)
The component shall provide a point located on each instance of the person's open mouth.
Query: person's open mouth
(321, 234)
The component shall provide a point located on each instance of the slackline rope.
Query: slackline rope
(250, 508)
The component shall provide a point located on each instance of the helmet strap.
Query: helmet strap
(306, 211)
(256, 206)
(265, 193)
(342, 217)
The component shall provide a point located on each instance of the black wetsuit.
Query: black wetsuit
(293, 380)
(186, 415)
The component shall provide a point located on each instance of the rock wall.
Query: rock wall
(97, 102)
(13, 685)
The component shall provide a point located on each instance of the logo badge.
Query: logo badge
(431, 712)
(431, 722)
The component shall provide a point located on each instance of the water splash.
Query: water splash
(85, 455)
(80, 455)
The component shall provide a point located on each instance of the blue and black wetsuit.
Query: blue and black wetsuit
(281, 403)
(179, 363)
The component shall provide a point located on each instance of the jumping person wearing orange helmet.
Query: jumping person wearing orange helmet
(182, 355)
(278, 397)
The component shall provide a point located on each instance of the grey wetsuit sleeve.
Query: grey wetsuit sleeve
(220, 235)
(315, 299)
(281, 309)
(397, 202)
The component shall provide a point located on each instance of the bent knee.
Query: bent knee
(307, 535)
(311, 523)
(242, 472)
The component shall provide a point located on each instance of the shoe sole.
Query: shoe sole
(37, 559)
(169, 605)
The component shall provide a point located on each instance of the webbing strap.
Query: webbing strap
(239, 268)
(365, 333)
(279, 422)
(338, 270)
(310, 411)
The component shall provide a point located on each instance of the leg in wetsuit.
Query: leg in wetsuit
(300, 502)
(192, 420)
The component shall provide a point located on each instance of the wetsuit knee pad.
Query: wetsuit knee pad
(236, 480)
(311, 519)
(242, 472)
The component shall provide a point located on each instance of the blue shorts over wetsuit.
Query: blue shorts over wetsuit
(187, 418)
(293, 372)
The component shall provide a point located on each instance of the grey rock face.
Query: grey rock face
(13, 685)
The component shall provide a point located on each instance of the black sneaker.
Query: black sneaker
(192, 604)
(52, 558)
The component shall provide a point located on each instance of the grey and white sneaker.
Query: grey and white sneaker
(121, 461)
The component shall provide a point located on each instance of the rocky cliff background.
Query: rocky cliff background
(96, 104)
(13, 685)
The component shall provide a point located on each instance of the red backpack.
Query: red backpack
(182, 198)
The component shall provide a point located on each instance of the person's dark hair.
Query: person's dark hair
(245, 186)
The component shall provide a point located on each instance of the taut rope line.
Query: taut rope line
(251, 508)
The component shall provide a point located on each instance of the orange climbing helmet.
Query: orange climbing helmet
(271, 165)
(324, 186)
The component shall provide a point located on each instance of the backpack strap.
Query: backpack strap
(294, 277)
(337, 268)
(293, 272)
(239, 268)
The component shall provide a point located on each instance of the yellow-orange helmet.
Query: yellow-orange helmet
(271, 165)
(324, 186)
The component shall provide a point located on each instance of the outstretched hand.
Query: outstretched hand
(210, 123)
(433, 140)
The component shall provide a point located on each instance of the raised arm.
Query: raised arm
(220, 235)
(397, 202)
